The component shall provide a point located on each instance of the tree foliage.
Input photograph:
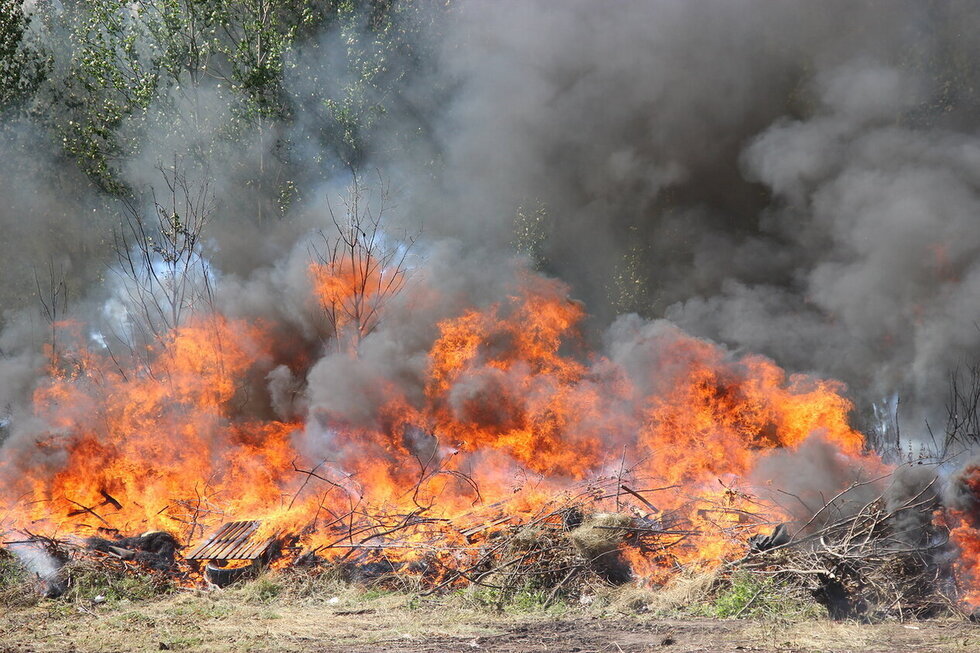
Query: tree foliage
(22, 63)
(126, 77)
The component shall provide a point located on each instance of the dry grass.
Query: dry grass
(317, 610)
(851, 636)
(688, 588)
(292, 613)
(109, 608)
(599, 534)
(272, 612)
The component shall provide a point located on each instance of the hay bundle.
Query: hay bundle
(598, 540)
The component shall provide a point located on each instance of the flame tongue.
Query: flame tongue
(965, 533)
(158, 440)
(510, 418)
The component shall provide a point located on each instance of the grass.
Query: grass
(18, 587)
(525, 600)
(263, 589)
(312, 610)
(762, 597)
(691, 594)
(93, 582)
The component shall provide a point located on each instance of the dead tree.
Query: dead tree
(53, 299)
(962, 432)
(357, 266)
(164, 277)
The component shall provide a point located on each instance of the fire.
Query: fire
(512, 412)
(966, 535)
(718, 415)
(500, 383)
(150, 446)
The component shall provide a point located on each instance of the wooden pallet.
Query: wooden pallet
(233, 541)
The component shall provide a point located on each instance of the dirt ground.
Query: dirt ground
(635, 635)
(228, 622)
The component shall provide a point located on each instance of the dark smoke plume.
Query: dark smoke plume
(795, 179)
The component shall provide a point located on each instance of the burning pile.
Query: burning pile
(964, 518)
(521, 452)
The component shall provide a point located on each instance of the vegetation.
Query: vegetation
(745, 595)
(318, 611)
(92, 583)
(17, 586)
(22, 65)
(116, 79)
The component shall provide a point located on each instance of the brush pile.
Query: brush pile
(884, 558)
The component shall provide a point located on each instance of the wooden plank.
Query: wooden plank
(253, 550)
(196, 553)
(232, 539)
(213, 541)
(216, 543)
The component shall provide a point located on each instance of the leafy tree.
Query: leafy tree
(22, 64)
(213, 79)
(106, 78)
(348, 83)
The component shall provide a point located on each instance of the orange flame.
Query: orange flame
(511, 411)
(966, 535)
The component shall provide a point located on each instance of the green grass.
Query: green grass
(263, 589)
(90, 582)
(18, 587)
(525, 600)
(756, 596)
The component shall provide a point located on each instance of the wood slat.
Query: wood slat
(237, 548)
(232, 542)
(253, 550)
(253, 547)
(208, 541)
(217, 541)
(233, 539)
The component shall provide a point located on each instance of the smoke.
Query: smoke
(817, 485)
(792, 179)
(911, 486)
(815, 481)
(961, 490)
(38, 561)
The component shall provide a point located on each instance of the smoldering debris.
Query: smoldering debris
(156, 550)
(45, 560)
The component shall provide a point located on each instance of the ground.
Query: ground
(259, 618)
